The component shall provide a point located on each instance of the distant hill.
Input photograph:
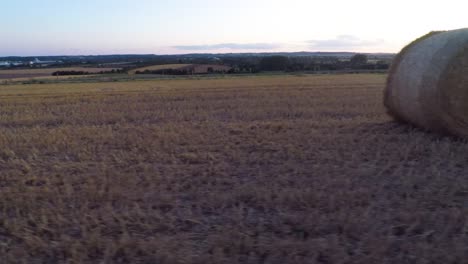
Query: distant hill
(212, 62)
(139, 58)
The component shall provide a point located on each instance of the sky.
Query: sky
(92, 27)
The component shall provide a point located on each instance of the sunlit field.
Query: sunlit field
(279, 169)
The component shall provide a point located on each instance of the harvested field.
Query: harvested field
(32, 73)
(284, 169)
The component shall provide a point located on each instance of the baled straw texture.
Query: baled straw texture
(428, 83)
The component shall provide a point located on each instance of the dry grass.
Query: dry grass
(43, 72)
(243, 170)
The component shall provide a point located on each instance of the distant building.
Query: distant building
(37, 62)
(16, 63)
(11, 63)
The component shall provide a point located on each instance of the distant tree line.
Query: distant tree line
(194, 69)
(71, 72)
(296, 64)
(303, 63)
(246, 63)
(239, 62)
(61, 73)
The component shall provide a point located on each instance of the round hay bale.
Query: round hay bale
(428, 83)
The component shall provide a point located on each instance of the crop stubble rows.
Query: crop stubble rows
(292, 169)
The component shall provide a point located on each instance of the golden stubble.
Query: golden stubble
(285, 169)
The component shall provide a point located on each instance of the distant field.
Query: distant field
(283, 169)
(160, 67)
(31, 73)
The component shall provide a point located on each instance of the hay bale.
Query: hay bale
(428, 83)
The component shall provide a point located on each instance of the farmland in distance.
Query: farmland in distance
(279, 169)
(46, 72)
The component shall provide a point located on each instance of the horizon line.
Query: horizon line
(186, 54)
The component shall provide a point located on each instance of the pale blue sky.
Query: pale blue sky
(66, 27)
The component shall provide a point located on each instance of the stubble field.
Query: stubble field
(284, 169)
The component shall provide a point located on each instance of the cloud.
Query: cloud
(343, 42)
(340, 43)
(231, 46)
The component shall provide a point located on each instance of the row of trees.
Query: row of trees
(72, 72)
(292, 64)
(256, 64)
